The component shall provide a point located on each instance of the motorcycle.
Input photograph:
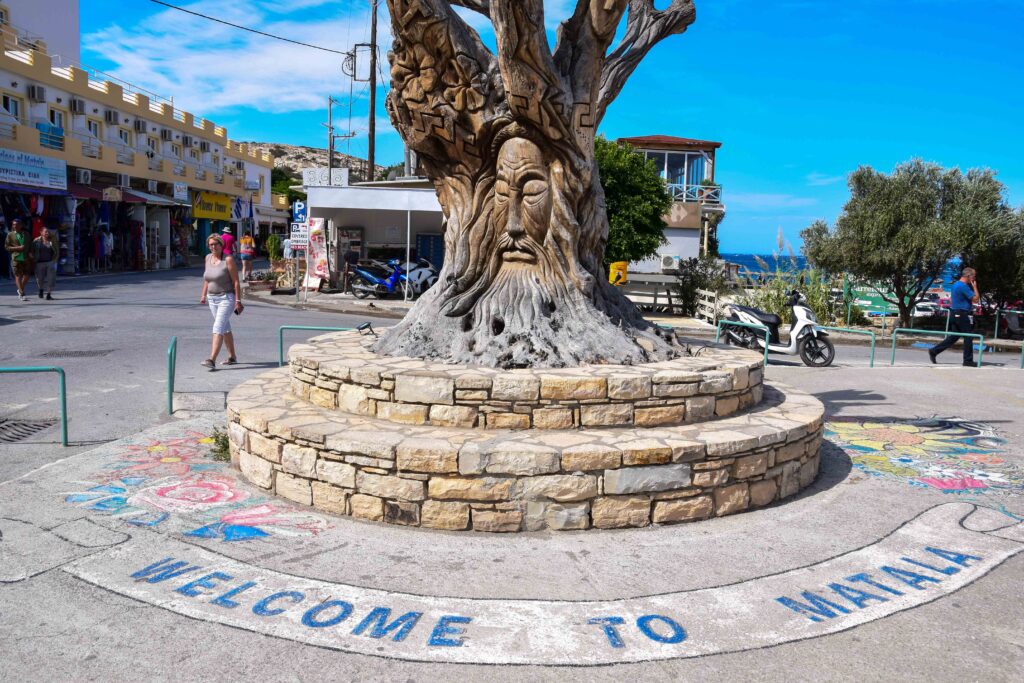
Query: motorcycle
(382, 280)
(806, 339)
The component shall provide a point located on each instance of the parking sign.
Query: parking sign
(299, 211)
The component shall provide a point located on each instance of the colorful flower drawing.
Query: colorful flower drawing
(948, 455)
(174, 484)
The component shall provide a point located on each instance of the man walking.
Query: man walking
(17, 244)
(961, 302)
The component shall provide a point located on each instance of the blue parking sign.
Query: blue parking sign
(299, 211)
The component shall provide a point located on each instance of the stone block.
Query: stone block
(655, 417)
(497, 521)
(403, 413)
(439, 515)
(507, 421)
(293, 488)
(562, 387)
(378, 394)
(476, 382)
(370, 463)
(557, 516)
(366, 507)
(590, 456)
(716, 382)
(368, 444)
(337, 473)
(552, 418)
(725, 442)
(727, 405)
(299, 460)
(453, 416)
(560, 487)
(330, 498)
(685, 510)
(257, 470)
(515, 387)
(789, 452)
(428, 455)
(675, 377)
(233, 454)
(268, 449)
(740, 378)
(645, 452)
(730, 499)
(481, 489)
(387, 486)
(470, 395)
(621, 511)
(808, 471)
(606, 414)
(507, 458)
(397, 512)
(675, 390)
(750, 466)
(238, 435)
(425, 387)
(323, 397)
(646, 479)
(699, 408)
(710, 478)
(353, 398)
(763, 492)
(684, 450)
(629, 387)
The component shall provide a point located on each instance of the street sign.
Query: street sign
(299, 211)
(299, 235)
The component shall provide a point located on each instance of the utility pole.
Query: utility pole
(373, 90)
(330, 140)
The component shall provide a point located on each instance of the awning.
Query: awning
(27, 189)
(84, 191)
(155, 199)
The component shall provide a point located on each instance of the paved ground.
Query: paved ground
(766, 595)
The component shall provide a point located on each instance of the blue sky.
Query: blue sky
(799, 92)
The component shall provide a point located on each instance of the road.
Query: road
(110, 334)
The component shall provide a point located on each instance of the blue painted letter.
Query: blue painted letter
(912, 579)
(438, 637)
(226, 601)
(857, 597)
(951, 556)
(260, 607)
(161, 571)
(309, 618)
(608, 625)
(378, 618)
(677, 635)
(819, 607)
(191, 588)
(866, 578)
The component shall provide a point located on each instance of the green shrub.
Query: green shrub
(274, 249)
(772, 295)
(698, 273)
(221, 450)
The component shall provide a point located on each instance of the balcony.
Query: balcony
(91, 145)
(50, 136)
(705, 194)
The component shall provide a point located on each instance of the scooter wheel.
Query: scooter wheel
(817, 352)
(361, 288)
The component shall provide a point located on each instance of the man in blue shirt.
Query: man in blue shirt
(961, 302)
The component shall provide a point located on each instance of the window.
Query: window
(176, 151)
(57, 117)
(676, 171)
(93, 126)
(125, 136)
(12, 105)
(659, 161)
(152, 144)
(194, 153)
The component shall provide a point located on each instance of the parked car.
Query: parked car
(926, 309)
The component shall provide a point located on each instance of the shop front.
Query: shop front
(211, 212)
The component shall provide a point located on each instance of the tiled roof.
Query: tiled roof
(669, 142)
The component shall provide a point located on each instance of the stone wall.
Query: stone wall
(341, 372)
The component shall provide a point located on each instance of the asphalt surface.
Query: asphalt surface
(73, 612)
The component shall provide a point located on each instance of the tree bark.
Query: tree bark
(508, 141)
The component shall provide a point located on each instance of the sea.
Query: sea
(748, 262)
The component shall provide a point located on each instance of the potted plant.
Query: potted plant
(262, 281)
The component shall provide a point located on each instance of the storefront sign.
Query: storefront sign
(252, 186)
(299, 235)
(33, 170)
(112, 194)
(211, 205)
(181, 192)
(316, 255)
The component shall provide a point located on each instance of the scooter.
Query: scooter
(806, 339)
(377, 280)
(422, 276)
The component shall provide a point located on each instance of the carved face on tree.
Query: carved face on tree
(522, 201)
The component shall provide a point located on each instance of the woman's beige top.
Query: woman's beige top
(218, 277)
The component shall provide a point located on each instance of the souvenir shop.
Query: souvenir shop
(39, 207)
(212, 213)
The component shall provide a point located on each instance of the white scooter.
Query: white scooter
(806, 339)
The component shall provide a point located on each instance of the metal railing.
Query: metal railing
(280, 336)
(849, 330)
(911, 330)
(63, 393)
(172, 366)
(737, 323)
(50, 140)
(710, 194)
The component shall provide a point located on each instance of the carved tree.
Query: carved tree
(508, 141)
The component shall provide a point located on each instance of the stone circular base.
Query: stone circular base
(517, 480)
(342, 371)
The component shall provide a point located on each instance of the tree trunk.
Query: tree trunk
(508, 141)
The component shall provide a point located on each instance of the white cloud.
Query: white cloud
(766, 201)
(816, 179)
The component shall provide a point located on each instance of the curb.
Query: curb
(288, 301)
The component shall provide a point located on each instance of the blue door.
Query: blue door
(431, 247)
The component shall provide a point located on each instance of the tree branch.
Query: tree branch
(481, 6)
(582, 43)
(645, 28)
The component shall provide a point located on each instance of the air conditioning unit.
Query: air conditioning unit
(140, 126)
(36, 93)
(186, 140)
(204, 146)
(151, 186)
(77, 106)
(669, 262)
(240, 165)
(83, 176)
(167, 134)
(124, 180)
(112, 116)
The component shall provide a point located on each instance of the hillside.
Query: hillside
(294, 158)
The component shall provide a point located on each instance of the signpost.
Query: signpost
(299, 239)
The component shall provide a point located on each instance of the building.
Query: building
(688, 167)
(86, 154)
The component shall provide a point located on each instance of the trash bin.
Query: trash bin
(618, 272)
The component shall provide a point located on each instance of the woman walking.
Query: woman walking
(45, 251)
(247, 252)
(224, 294)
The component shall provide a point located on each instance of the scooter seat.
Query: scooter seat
(766, 318)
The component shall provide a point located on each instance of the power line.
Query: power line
(246, 28)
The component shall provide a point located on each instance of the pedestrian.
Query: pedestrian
(18, 245)
(5, 258)
(961, 303)
(229, 240)
(246, 252)
(44, 253)
(224, 295)
(108, 249)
